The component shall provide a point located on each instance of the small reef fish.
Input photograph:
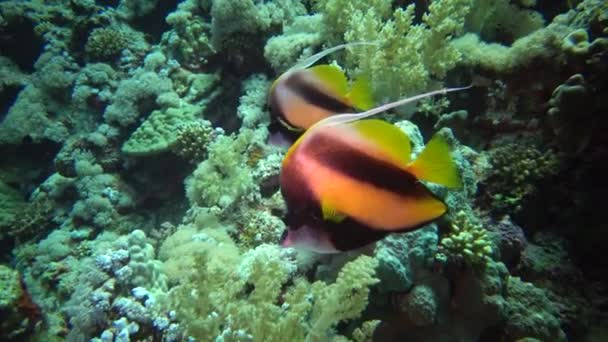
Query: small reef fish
(349, 182)
(304, 95)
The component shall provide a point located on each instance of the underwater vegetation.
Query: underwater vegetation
(161, 159)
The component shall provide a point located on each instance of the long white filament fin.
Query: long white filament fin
(349, 117)
(305, 63)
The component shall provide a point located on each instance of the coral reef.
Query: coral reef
(18, 314)
(140, 195)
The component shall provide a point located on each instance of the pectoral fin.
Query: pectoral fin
(330, 213)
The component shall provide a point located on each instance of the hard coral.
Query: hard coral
(467, 242)
(193, 139)
(105, 44)
(189, 40)
(530, 313)
(516, 169)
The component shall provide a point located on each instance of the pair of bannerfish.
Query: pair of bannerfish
(349, 181)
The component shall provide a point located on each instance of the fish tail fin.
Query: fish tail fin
(360, 94)
(435, 164)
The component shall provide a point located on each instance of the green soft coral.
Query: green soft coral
(248, 298)
(409, 55)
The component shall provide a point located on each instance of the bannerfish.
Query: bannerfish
(348, 182)
(304, 95)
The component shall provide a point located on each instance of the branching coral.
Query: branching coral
(407, 56)
(248, 298)
(467, 241)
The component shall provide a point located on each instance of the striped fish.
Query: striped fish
(304, 95)
(348, 182)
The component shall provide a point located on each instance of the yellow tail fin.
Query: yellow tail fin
(435, 164)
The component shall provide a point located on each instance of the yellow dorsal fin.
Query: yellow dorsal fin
(332, 77)
(435, 164)
(360, 94)
(330, 213)
(388, 137)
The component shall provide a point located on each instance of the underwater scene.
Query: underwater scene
(303, 170)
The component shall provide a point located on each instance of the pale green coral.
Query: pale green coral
(189, 40)
(222, 179)
(297, 41)
(192, 140)
(133, 94)
(11, 203)
(247, 299)
(467, 241)
(247, 16)
(420, 305)
(159, 132)
(544, 44)
(491, 18)
(407, 55)
(251, 105)
(14, 323)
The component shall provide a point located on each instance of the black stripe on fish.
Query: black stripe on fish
(311, 94)
(349, 234)
(353, 163)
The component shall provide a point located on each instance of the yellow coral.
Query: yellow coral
(467, 241)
